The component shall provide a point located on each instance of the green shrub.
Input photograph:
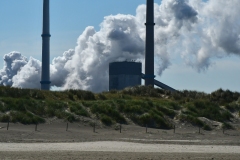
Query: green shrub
(102, 96)
(145, 119)
(125, 97)
(207, 127)
(227, 126)
(88, 103)
(136, 106)
(82, 95)
(133, 109)
(152, 119)
(60, 114)
(106, 120)
(147, 91)
(79, 110)
(210, 110)
(3, 107)
(192, 120)
(4, 118)
(70, 117)
(36, 94)
(166, 111)
(232, 107)
(177, 96)
(36, 107)
(226, 115)
(160, 122)
(108, 108)
(191, 108)
(120, 104)
(223, 97)
(170, 104)
(113, 91)
(25, 118)
(190, 113)
(71, 96)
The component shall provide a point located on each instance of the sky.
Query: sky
(209, 68)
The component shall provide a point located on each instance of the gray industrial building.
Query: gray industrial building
(124, 74)
(129, 74)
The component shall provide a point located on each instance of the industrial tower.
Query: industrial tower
(45, 76)
(127, 74)
(149, 48)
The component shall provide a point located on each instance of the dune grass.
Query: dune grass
(142, 105)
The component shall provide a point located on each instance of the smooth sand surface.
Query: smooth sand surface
(116, 146)
(117, 150)
(64, 155)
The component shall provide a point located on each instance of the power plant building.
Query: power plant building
(124, 74)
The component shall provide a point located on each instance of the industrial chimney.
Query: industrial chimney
(128, 74)
(149, 48)
(45, 77)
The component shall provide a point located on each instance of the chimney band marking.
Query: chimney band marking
(46, 35)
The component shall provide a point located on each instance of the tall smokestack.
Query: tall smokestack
(45, 77)
(149, 48)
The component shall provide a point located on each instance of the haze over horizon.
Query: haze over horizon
(197, 43)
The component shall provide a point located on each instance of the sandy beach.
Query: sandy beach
(56, 140)
(116, 150)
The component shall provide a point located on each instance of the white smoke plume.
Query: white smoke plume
(196, 30)
(28, 76)
(13, 62)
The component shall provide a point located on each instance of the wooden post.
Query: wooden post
(199, 130)
(120, 128)
(36, 127)
(94, 127)
(67, 127)
(146, 128)
(8, 125)
(174, 128)
(223, 130)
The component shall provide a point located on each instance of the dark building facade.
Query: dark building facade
(124, 74)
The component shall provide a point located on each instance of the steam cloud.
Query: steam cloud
(197, 31)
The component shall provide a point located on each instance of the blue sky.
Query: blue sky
(21, 22)
(21, 26)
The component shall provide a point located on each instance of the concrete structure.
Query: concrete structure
(149, 48)
(45, 76)
(124, 74)
(161, 85)
(129, 74)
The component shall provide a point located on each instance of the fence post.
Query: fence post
(120, 128)
(199, 130)
(146, 128)
(94, 127)
(8, 125)
(174, 128)
(36, 127)
(67, 127)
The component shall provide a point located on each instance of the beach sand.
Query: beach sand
(52, 141)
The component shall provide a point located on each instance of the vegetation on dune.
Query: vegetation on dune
(142, 105)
